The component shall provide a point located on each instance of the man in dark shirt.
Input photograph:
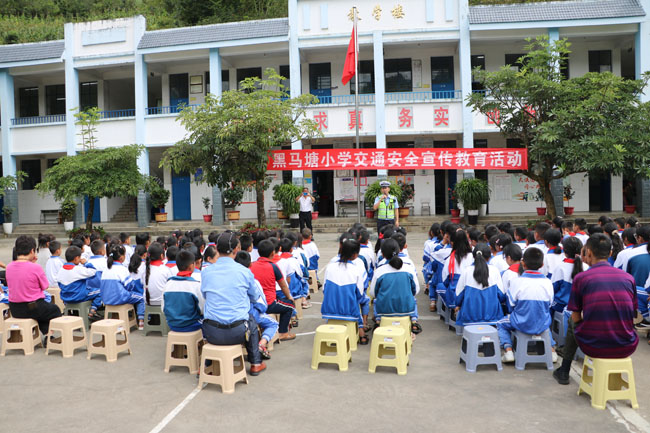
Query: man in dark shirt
(603, 305)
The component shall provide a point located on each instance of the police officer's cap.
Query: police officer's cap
(384, 184)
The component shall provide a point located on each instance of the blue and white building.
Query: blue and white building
(416, 58)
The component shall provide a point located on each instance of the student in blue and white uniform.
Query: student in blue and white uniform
(311, 250)
(497, 244)
(408, 266)
(117, 285)
(438, 257)
(636, 262)
(581, 227)
(367, 254)
(553, 256)
(156, 274)
(435, 237)
(565, 272)
(457, 263)
(54, 263)
(513, 255)
(520, 237)
(540, 231)
(529, 300)
(344, 289)
(72, 278)
(479, 292)
(182, 300)
(299, 254)
(290, 268)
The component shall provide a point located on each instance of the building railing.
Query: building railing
(434, 95)
(169, 109)
(366, 98)
(114, 114)
(38, 120)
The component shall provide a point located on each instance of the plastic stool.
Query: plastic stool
(558, 329)
(275, 339)
(82, 309)
(606, 382)
(313, 287)
(21, 334)
(55, 292)
(297, 303)
(124, 312)
(352, 329)
(162, 327)
(66, 342)
(109, 345)
(183, 350)
(392, 342)
(3, 308)
(541, 342)
(223, 370)
(403, 322)
(480, 339)
(331, 339)
(443, 310)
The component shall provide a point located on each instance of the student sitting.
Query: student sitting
(435, 237)
(438, 257)
(171, 259)
(479, 292)
(366, 253)
(540, 231)
(512, 254)
(344, 289)
(520, 237)
(529, 299)
(210, 256)
(311, 251)
(565, 272)
(182, 301)
(117, 286)
(497, 244)
(156, 275)
(292, 272)
(581, 227)
(54, 263)
(72, 279)
(457, 263)
(553, 256)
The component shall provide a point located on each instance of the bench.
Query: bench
(51, 215)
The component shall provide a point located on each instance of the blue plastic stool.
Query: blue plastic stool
(541, 344)
(480, 339)
(558, 328)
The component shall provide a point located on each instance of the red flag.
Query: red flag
(350, 61)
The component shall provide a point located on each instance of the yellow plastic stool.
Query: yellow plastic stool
(606, 381)
(227, 366)
(66, 341)
(4, 309)
(20, 334)
(403, 322)
(389, 341)
(297, 303)
(314, 281)
(353, 331)
(109, 345)
(183, 350)
(55, 292)
(124, 312)
(331, 339)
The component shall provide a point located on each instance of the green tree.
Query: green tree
(590, 123)
(87, 120)
(95, 173)
(230, 137)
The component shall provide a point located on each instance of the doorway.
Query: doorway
(181, 196)
(444, 179)
(324, 187)
(97, 216)
(178, 90)
(442, 77)
(600, 192)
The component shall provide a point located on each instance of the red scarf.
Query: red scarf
(184, 273)
(306, 242)
(452, 263)
(156, 263)
(275, 258)
(567, 260)
(285, 255)
(514, 267)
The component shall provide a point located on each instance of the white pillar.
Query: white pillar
(380, 92)
(465, 61)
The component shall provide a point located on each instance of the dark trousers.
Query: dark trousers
(246, 333)
(285, 309)
(381, 223)
(305, 220)
(39, 310)
(570, 343)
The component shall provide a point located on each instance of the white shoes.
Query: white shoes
(508, 356)
(554, 356)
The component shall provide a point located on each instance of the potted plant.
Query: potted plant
(314, 213)
(373, 191)
(159, 197)
(285, 194)
(568, 195)
(407, 194)
(471, 193)
(207, 217)
(68, 210)
(453, 198)
(629, 208)
(541, 210)
(7, 226)
(232, 197)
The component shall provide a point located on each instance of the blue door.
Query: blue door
(96, 212)
(178, 91)
(181, 196)
(320, 81)
(442, 77)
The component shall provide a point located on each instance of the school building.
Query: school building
(416, 58)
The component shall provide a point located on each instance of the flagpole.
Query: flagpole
(356, 108)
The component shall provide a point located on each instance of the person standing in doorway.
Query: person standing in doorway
(386, 206)
(306, 201)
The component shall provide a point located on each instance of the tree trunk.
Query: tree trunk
(259, 194)
(91, 210)
(551, 212)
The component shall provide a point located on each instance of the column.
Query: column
(294, 76)
(216, 88)
(380, 92)
(465, 60)
(642, 64)
(141, 100)
(557, 185)
(7, 106)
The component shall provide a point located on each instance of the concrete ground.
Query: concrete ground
(135, 395)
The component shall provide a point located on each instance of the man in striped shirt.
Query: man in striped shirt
(603, 305)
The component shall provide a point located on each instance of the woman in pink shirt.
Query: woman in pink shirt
(27, 281)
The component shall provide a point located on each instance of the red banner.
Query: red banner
(395, 159)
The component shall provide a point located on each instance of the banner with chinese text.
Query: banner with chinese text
(403, 158)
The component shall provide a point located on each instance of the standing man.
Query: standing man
(306, 201)
(386, 205)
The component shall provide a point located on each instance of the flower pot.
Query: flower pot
(294, 220)
(568, 210)
(483, 210)
(68, 225)
(541, 211)
(207, 218)
(314, 215)
(403, 212)
(631, 208)
(282, 215)
(8, 228)
(472, 216)
(370, 214)
(455, 213)
(161, 217)
(233, 215)
(455, 220)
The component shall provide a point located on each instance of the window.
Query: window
(513, 60)
(398, 75)
(88, 95)
(225, 81)
(28, 100)
(50, 162)
(55, 99)
(366, 78)
(478, 61)
(244, 73)
(320, 79)
(32, 167)
(514, 143)
(395, 145)
(286, 73)
(600, 61)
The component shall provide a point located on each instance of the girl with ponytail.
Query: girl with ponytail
(117, 286)
(566, 271)
(480, 291)
(156, 274)
(455, 265)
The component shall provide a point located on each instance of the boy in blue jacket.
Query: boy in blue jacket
(73, 282)
(182, 300)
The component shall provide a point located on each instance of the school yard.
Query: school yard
(135, 395)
